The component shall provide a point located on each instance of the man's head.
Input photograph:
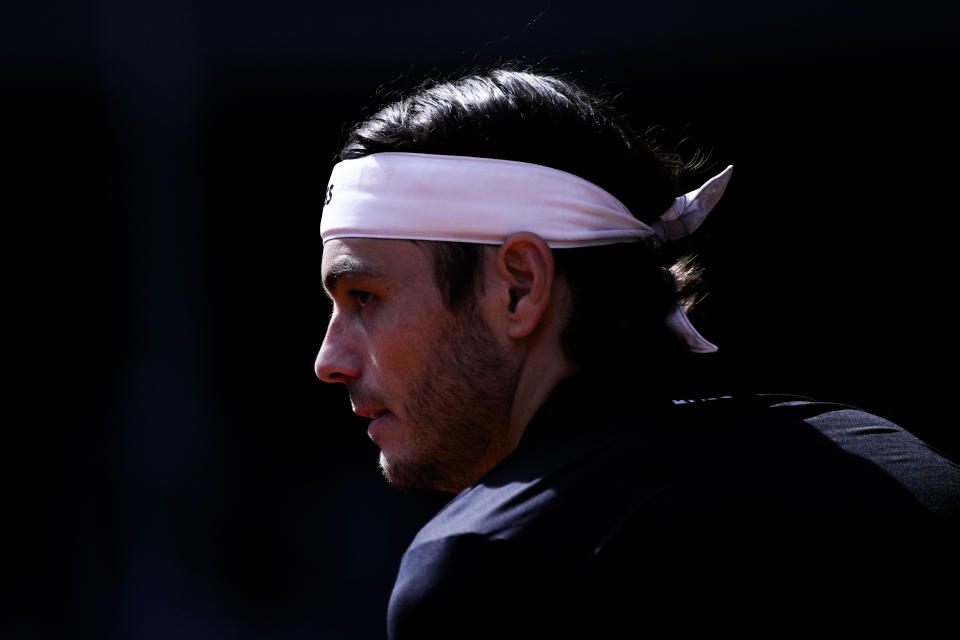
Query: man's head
(462, 379)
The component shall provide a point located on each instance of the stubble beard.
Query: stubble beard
(459, 408)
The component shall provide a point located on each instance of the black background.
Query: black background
(173, 467)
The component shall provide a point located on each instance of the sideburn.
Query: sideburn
(457, 272)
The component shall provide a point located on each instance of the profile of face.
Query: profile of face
(436, 385)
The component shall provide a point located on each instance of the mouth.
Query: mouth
(381, 419)
(372, 414)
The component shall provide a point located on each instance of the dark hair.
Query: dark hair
(621, 293)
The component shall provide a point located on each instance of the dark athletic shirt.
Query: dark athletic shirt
(756, 515)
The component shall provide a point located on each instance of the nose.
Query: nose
(338, 359)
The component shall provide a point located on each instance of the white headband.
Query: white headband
(416, 196)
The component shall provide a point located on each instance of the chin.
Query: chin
(387, 469)
(410, 475)
(396, 474)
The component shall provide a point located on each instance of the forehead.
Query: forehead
(373, 258)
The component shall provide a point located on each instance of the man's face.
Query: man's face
(437, 386)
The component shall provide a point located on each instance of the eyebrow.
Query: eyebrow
(347, 267)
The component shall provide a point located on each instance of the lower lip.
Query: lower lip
(378, 425)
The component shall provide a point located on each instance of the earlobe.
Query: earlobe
(525, 263)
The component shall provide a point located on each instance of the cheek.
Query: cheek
(402, 343)
(406, 341)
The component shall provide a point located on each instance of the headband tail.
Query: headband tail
(691, 209)
(680, 324)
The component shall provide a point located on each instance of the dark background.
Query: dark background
(173, 469)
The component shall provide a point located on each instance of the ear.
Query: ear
(524, 264)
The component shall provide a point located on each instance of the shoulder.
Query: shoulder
(794, 505)
(859, 445)
(809, 445)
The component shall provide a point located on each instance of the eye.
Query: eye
(362, 298)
